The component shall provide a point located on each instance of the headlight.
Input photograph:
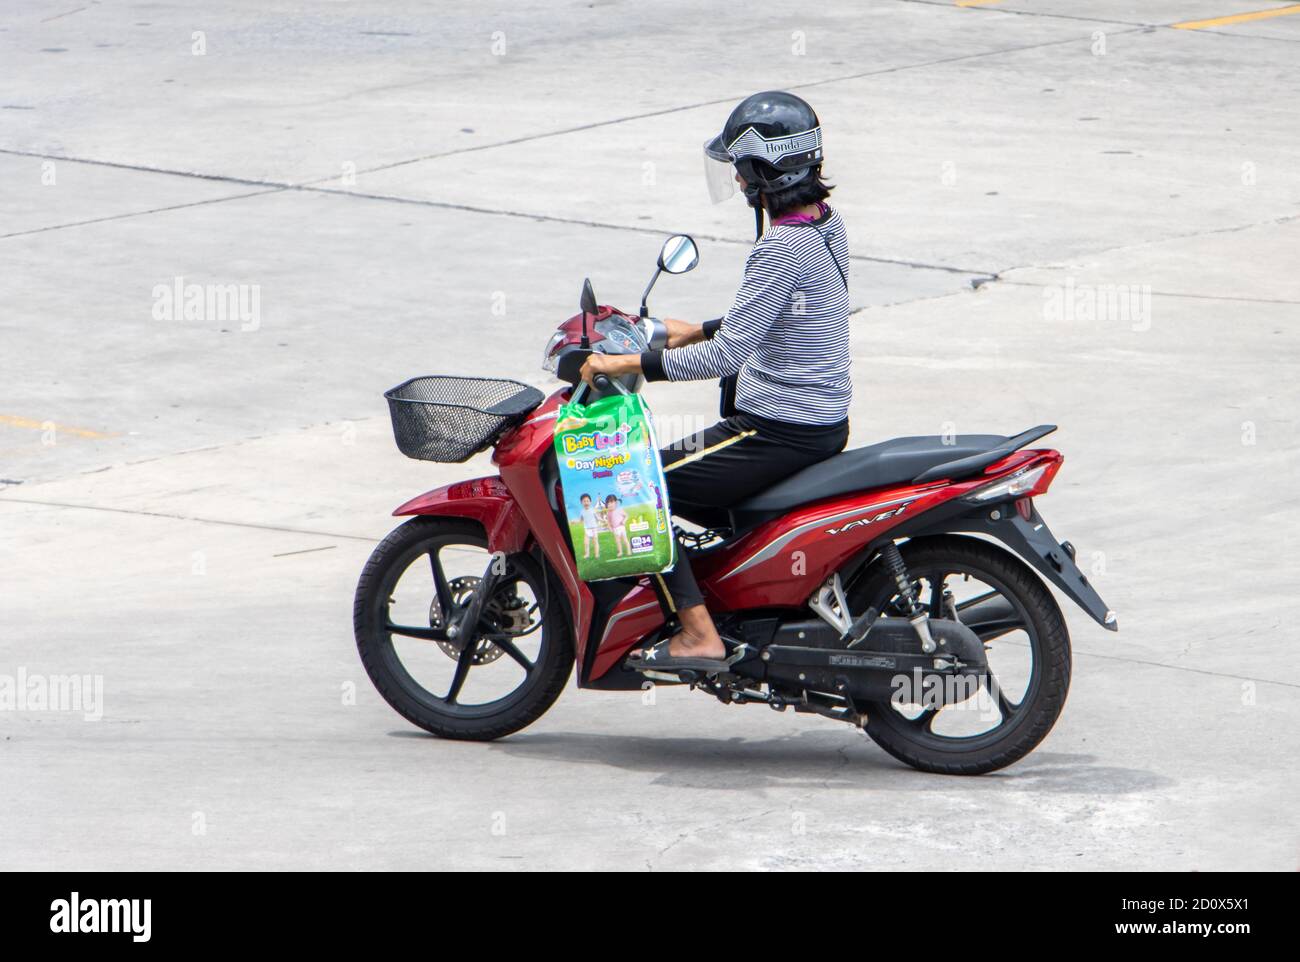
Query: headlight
(1020, 483)
(549, 358)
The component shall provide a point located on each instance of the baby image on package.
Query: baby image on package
(613, 487)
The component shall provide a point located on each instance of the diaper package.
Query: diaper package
(613, 486)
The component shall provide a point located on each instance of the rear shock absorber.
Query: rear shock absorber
(916, 613)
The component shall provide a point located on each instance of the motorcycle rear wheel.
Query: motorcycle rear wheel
(526, 616)
(1019, 615)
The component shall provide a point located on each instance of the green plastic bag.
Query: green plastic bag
(613, 487)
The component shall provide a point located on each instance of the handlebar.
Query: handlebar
(602, 383)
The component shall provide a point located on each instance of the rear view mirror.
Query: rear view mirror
(679, 255)
(587, 302)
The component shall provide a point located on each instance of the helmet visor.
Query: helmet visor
(719, 174)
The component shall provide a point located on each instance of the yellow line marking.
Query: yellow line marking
(1237, 18)
(13, 421)
(976, 3)
(709, 450)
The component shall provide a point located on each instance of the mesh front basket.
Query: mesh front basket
(451, 418)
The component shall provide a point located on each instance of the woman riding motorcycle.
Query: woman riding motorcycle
(782, 351)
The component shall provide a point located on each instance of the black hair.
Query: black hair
(811, 190)
(584, 497)
(613, 498)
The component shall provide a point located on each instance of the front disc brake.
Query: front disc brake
(506, 612)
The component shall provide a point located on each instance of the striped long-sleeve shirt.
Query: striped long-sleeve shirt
(786, 335)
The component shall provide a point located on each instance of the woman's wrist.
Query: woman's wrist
(681, 333)
(696, 334)
(626, 363)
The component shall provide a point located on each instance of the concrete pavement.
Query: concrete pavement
(1086, 218)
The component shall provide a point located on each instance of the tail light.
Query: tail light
(1025, 483)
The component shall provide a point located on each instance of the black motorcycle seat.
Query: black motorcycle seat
(898, 461)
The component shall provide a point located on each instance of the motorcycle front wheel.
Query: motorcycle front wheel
(416, 586)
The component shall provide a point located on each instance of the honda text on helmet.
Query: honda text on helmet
(773, 140)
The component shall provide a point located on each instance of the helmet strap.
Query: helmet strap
(754, 197)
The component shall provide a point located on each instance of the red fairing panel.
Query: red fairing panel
(485, 500)
(638, 614)
(518, 455)
(782, 562)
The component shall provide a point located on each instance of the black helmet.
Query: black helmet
(773, 140)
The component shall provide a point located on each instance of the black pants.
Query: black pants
(725, 464)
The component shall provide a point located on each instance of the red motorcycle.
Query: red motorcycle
(891, 586)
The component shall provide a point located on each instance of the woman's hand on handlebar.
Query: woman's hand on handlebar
(611, 365)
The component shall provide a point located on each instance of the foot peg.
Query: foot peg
(861, 625)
